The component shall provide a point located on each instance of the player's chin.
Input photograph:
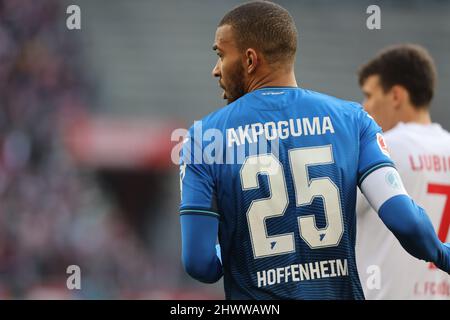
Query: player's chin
(227, 97)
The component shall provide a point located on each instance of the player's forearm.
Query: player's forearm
(205, 269)
(199, 256)
(409, 223)
(412, 227)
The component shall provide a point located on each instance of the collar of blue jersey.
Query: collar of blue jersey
(276, 87)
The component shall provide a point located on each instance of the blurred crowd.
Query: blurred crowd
(52, 213)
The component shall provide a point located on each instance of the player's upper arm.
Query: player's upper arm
(373, 152)
(198, 214)
(196, 181)
(381, 185)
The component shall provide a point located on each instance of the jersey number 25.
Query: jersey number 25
(275, 205)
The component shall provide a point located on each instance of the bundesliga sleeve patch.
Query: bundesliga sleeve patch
(382, 144)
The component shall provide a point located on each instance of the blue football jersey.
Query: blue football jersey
(279, 168)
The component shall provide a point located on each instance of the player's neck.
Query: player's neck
(273, 79)
(421, 116)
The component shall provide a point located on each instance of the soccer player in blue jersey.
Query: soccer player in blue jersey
(273, 175)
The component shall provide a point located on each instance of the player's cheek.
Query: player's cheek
(223, 69)
(377, 105)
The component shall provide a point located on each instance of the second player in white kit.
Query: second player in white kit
(399, 102)
(422, 156)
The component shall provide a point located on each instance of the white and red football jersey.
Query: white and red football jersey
(422, 157)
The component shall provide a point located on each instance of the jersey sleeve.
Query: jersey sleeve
(373, 151)
(196, 181)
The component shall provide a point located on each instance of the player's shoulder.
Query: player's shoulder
(413, 138)
(414, 132)
(328, 101)
(443, 132)
(397, 133)
(318, 100)
(213, 119)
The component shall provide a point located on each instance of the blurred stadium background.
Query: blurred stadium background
(86, 118)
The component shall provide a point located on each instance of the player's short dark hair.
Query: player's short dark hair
(408, 65)
(264, 26)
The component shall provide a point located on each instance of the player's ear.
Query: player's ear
(251, 58)
(400, 95)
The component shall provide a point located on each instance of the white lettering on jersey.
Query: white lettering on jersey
(302, 272)
(279, 130)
